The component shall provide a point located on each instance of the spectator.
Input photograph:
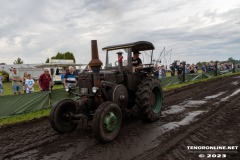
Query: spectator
(44, 81)
(156, 71)
(192, 69)
(29, 84)
(1, 84)
(204, 70)
(207, 67)
(172, 68)
(16, 82)
(187, 68)
(70, 80)
(25, 75)
(211, 67)
(57, 71)
(163, 71)
(180, 71)
(227, 66)
(76, 73)
(196, 68)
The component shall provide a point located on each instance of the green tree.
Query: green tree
(67, 55)
(200, 64)
(47, 61)
(5, 76)
(18, 61)
(230, 59)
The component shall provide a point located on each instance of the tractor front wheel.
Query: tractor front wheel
(60, 116)
(107, 122)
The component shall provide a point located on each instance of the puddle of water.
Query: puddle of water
(214, 96)
(235, 83)
(182, 106)
(194, 103)
(190, 103)
(234, 93)
(237, 77)
(174, 109)
(186, 121)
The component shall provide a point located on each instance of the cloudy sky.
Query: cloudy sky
(195, 30)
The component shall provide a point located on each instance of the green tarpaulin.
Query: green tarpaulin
(59, 94)
(25, 103)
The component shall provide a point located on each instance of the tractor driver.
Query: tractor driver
(136, 61)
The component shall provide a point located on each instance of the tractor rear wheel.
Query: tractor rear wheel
(107, 122)
(149, 99)
(60, 116)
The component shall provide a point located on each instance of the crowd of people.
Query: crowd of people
(177, 69)
(45, 82)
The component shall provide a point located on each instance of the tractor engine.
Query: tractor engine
(85, 82)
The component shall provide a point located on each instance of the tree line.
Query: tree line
(229, 60)
(59, 55)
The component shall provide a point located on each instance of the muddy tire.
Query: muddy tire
(149, 99)
(60, 119)
(107, 122)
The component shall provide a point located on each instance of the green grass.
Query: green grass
(25, 117)
(174, 86)
(45, 112)
(8, 88)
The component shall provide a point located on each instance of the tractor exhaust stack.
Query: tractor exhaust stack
(95, 64)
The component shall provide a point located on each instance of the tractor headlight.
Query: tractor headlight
(84, 91)
(66, 89)
(94, 89)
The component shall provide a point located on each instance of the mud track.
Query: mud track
(202, 114)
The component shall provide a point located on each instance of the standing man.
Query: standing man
(156, 70)
(172, 68)
(204, 70)
(180, 71)
(70, 79)
(44, 81)
(164, 75)
(16, 82)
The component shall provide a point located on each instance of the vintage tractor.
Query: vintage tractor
(104, 94)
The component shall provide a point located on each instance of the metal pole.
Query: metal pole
(234, 68)
(184, 63)
(216, 68)
(151, 57)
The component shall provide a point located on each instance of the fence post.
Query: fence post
(234, 68)
(216, 70)
(184, 63)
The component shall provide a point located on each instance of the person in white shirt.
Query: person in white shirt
(29, 82)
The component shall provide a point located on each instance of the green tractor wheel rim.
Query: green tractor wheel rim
(110, 122)
(156, 100)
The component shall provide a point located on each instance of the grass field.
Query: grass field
(45, 112)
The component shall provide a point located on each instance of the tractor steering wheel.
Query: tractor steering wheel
(116, 63)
